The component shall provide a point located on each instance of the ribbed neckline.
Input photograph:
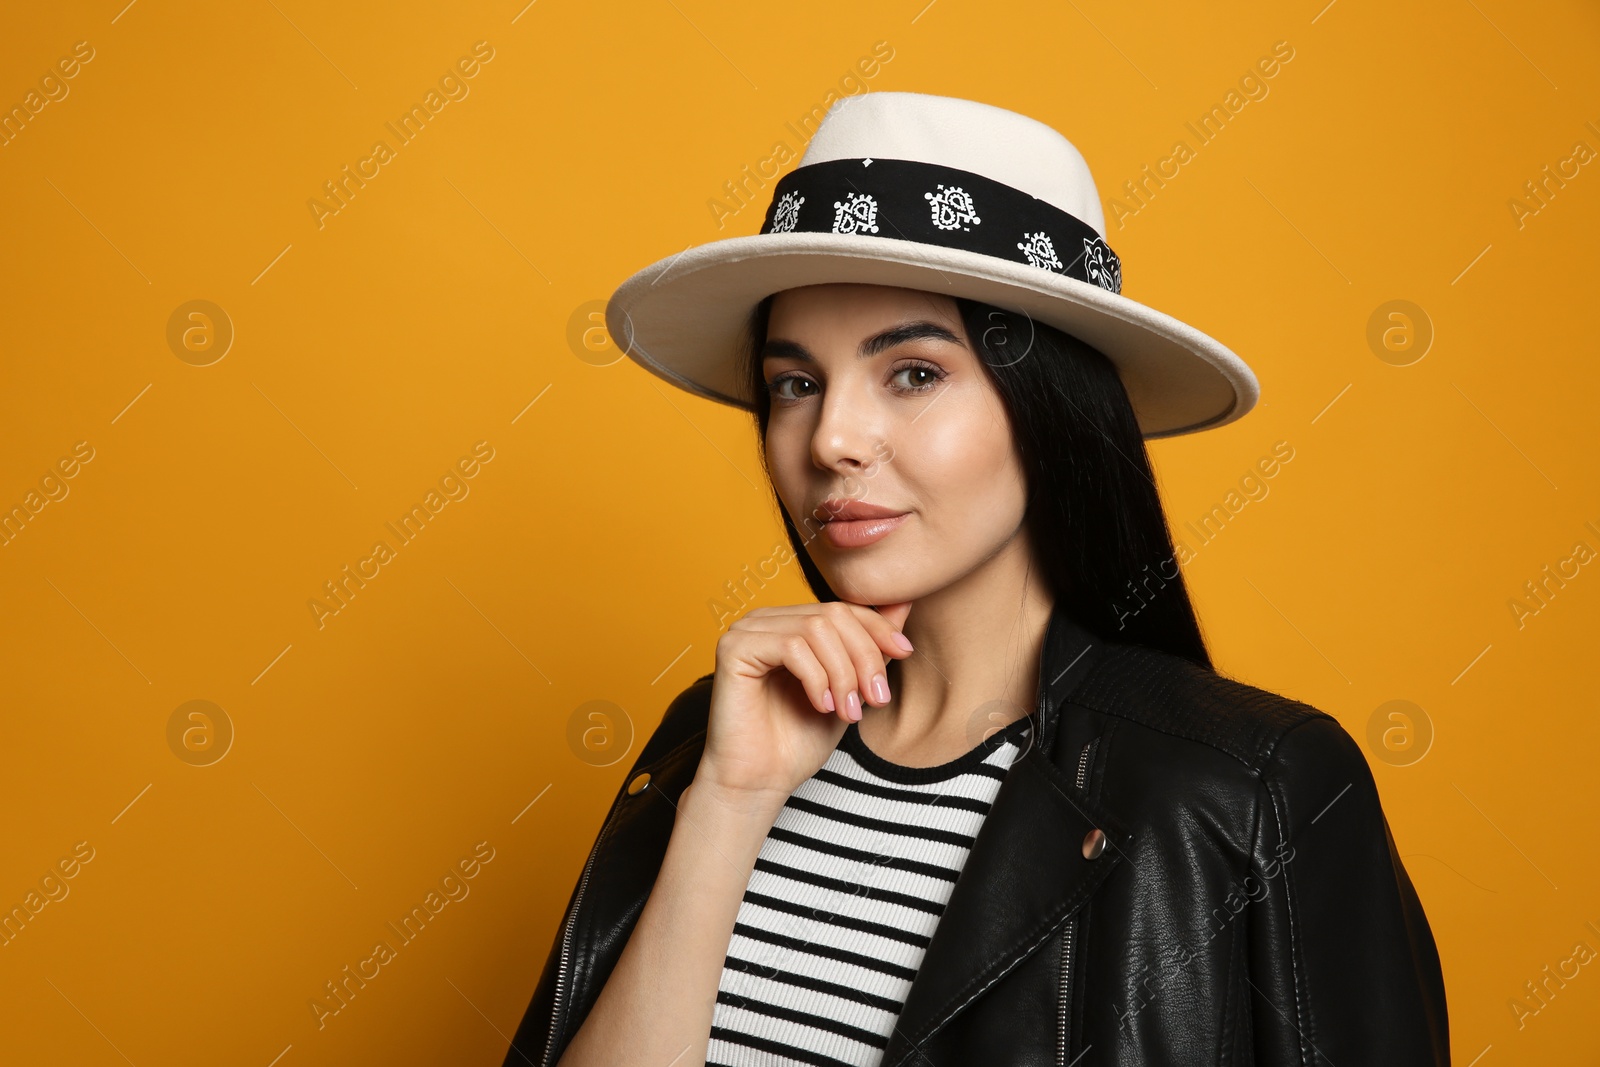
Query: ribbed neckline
(851, 742)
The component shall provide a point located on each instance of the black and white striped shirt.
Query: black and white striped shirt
(846, 892)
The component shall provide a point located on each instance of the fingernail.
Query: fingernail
(827, 699)
(853, 706)
(880, 688)
(900, 639)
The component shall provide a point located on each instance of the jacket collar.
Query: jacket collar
(1026, 873)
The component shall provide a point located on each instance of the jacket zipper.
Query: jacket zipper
(1066, 937)
(566, 942)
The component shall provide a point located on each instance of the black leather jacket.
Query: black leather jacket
(1245, 904)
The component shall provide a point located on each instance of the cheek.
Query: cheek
(788, 457)
(966, 472)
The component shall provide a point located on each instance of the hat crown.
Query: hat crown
(1003, 145)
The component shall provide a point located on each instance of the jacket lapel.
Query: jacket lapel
(1026, 873)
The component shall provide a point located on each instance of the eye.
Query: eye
(916, 377)
(777, 385)
(920, 377)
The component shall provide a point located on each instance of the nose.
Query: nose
(848, 437)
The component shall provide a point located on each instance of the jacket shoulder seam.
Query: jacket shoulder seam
(1253, 744)
(1253, 764)
(1239, 958)
(1269, 785)
(1279, 738)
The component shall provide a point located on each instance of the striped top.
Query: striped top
(844, 897)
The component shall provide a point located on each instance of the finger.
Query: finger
(829, 645)
(799, 658)
(767, 651)
(832, 646)
(884, 624)
(856, 625)
(895, 614)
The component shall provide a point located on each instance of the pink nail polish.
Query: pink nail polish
(880, 688)
(827, 699)
(901, 640)
(853, 706)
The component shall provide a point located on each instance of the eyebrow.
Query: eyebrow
(777, 348)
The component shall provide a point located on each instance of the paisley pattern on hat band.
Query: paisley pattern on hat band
(943, 206)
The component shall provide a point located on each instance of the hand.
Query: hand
(778, 669)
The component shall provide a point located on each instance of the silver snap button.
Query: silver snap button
(1094, 843)
(640, 783)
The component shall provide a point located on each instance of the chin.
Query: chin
(871, 586)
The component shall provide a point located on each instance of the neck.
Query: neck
(976, 666)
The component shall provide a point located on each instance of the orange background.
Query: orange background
(449, 302)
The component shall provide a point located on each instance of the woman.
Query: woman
(986, 801)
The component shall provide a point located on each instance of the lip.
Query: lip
(839, 509)
(858, 533)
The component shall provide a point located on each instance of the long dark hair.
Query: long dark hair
(1094, 512)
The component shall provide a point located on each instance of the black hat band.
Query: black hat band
(938, 205)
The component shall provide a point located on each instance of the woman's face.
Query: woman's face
(879, 399)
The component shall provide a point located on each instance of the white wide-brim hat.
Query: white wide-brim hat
(945, 195)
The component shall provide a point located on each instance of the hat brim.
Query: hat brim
(684, 318)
